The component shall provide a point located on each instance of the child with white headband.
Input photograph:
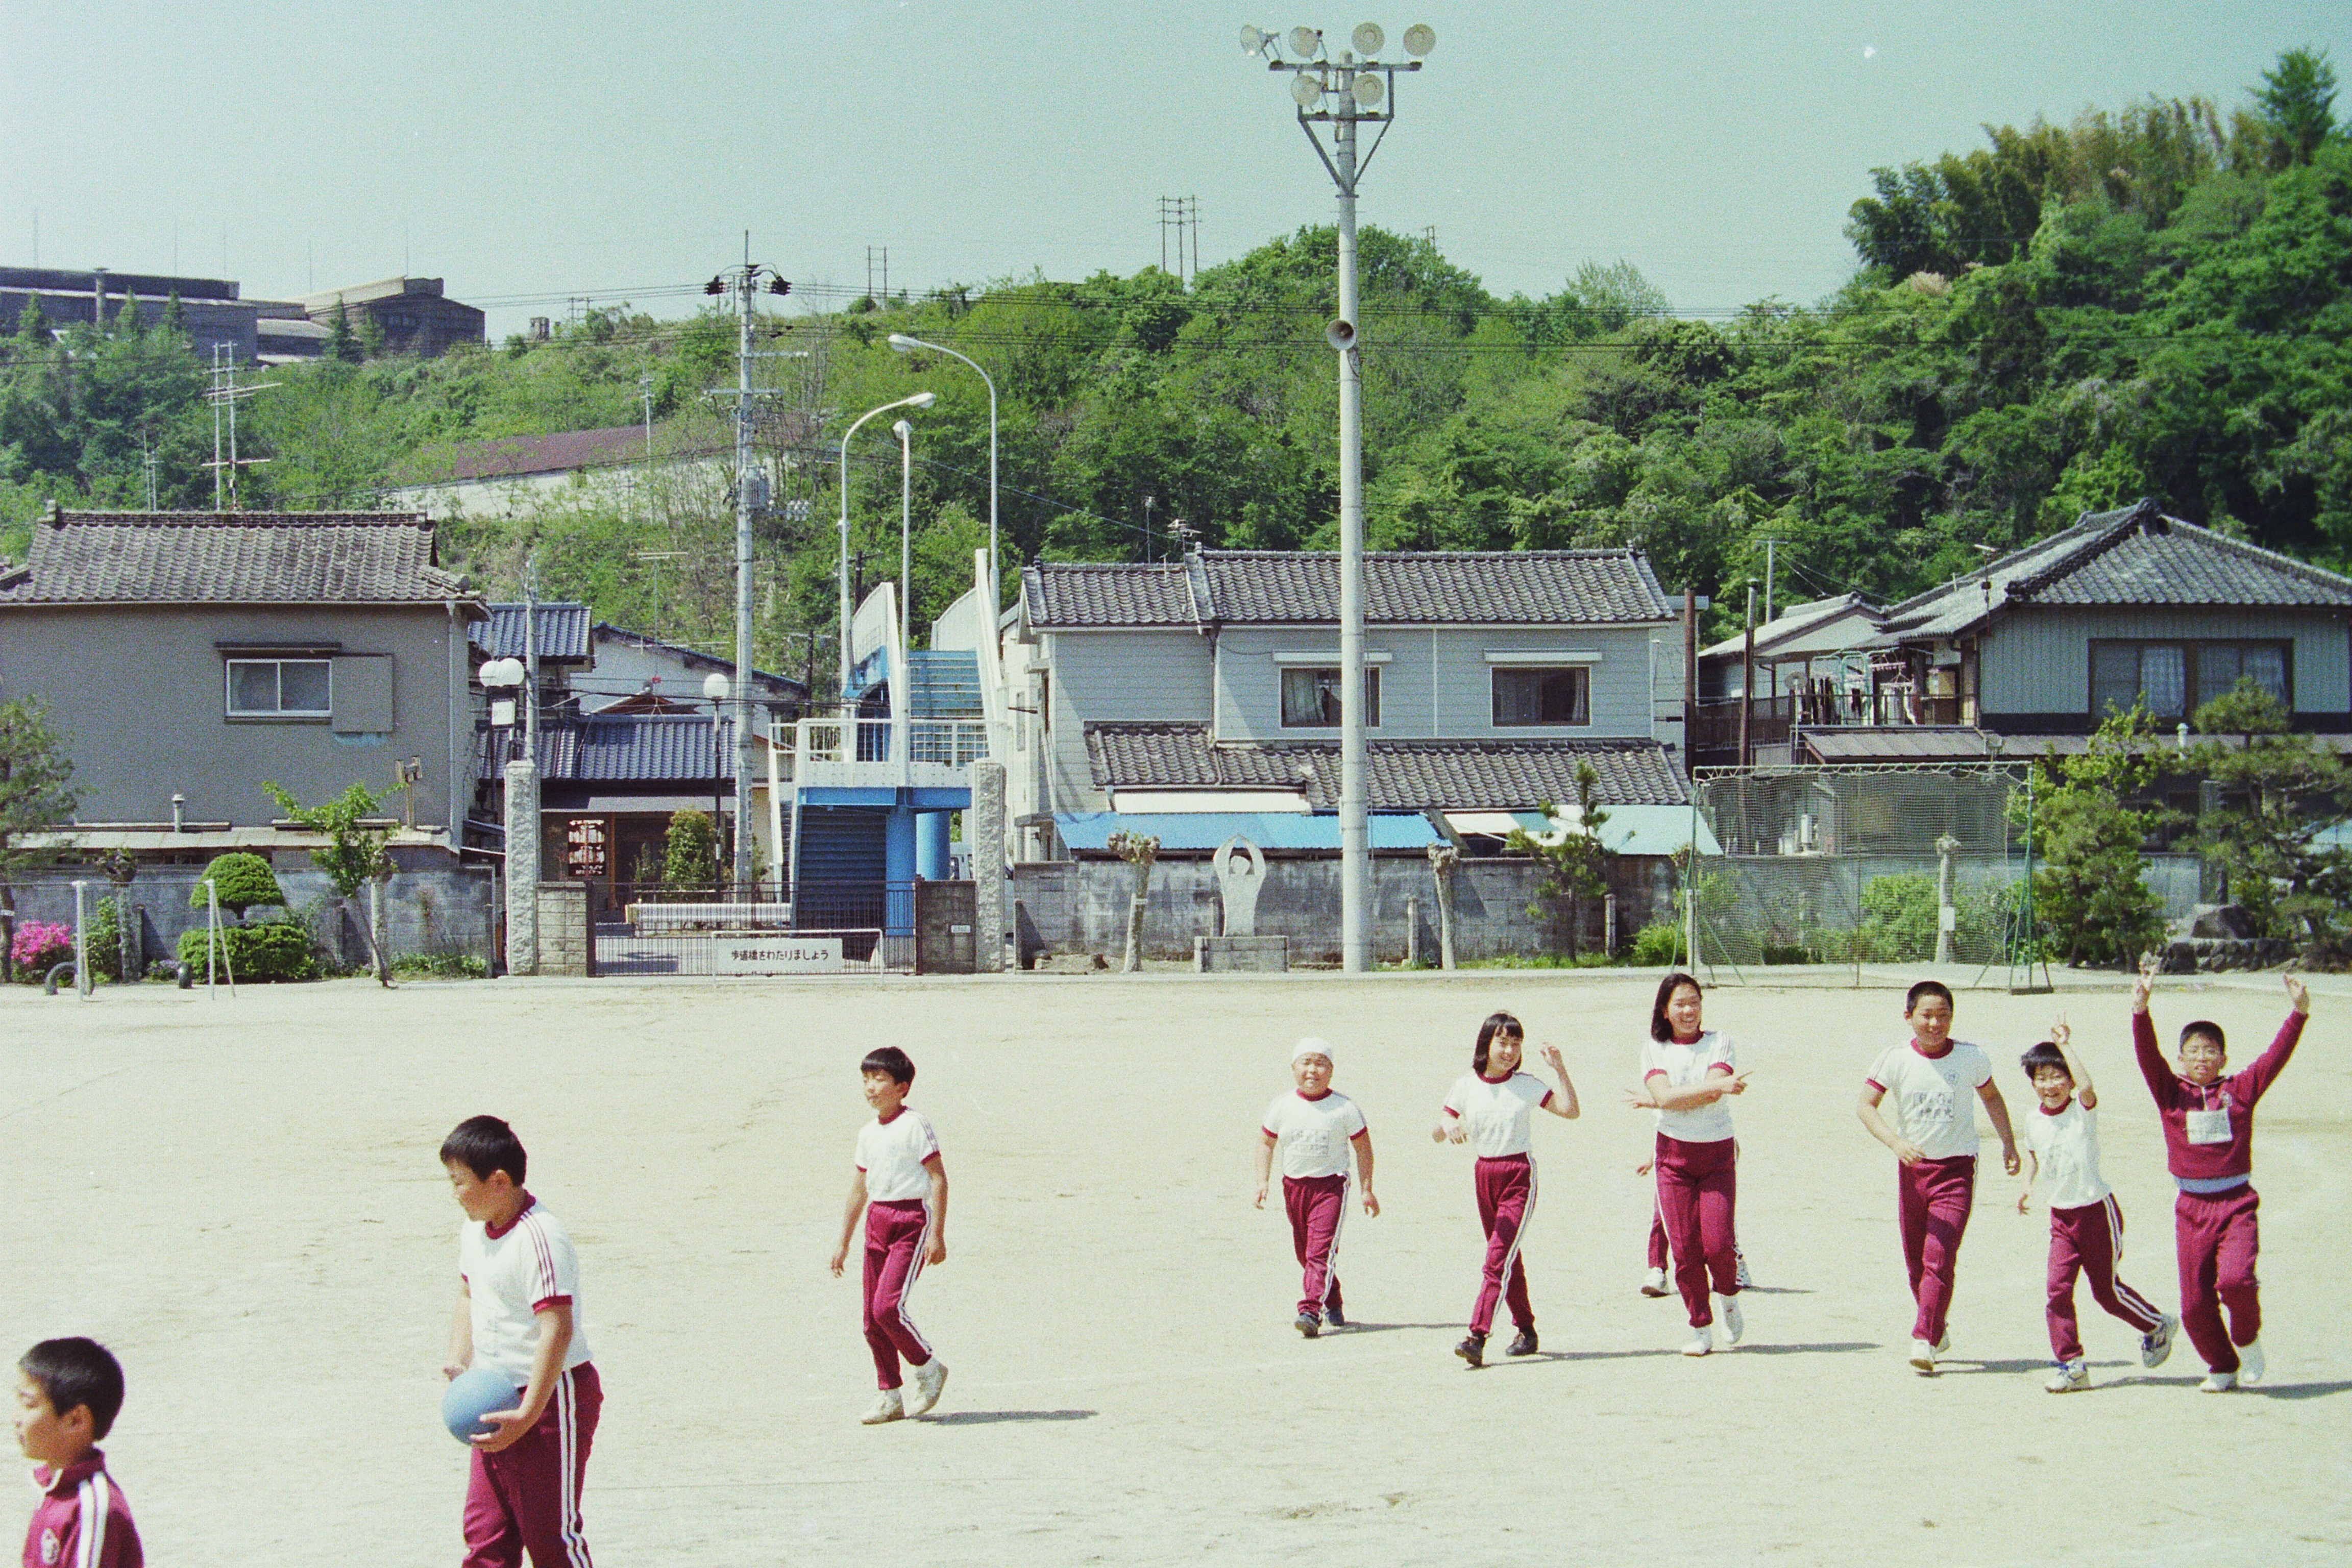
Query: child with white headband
(1313, 1127)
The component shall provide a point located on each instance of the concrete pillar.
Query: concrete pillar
(522, 868)
(899, 873)
(932, 863)
(983, 832)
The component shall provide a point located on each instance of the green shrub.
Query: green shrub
(690, 853)
(273, 950)
(106, 938)
(244, 882)
(442, 965)
(1659, 945)
(1898, 918)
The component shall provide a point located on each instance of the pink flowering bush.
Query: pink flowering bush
(38, 945)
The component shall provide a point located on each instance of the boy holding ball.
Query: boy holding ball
(519, 1313)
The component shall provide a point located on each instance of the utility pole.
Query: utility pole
(1358, 87)
(531, 656)
(225, 394)
(1771, 559)
(746, 281)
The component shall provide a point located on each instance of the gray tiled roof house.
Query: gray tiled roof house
(223, 558)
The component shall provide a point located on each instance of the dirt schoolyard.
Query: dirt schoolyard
(241, 1197)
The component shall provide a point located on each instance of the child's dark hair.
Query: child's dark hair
(1660, 1030)
(1496, 1023)
(2045, 1055)
(484, 1144)
(77, 1372)
(2210, 1029)
(1926, 988)
(890, 1059)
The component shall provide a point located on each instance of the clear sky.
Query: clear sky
(529, 151)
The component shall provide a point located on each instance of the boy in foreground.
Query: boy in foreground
(902, 1184)
(2209, 1145)
(1934, 1136)
(69, 1392)
(1313, 1127)
(519, 1313)
(2086, 1227)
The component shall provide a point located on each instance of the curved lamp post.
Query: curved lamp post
(905, 345)
(848, 662)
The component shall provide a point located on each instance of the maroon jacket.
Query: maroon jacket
(2175, 1097)
(81, 1520)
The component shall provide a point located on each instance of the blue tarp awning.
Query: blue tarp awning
(1091, 831)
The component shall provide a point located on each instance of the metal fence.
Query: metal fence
(819, 929)
(1861, 866)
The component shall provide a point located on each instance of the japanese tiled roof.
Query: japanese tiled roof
(230, 558)
(1264, 587)
(2134, 556)
(1400, 775)
(635, 748)
(563, 631)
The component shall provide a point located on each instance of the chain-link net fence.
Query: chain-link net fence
(1856, 866)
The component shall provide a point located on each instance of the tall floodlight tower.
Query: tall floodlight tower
(1357, 89)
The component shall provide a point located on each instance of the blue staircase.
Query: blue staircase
(943, 683)
(843, 861)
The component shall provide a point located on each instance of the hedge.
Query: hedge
(275, 950)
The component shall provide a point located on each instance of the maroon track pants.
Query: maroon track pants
(1697, 1188)
(896, 1235)
(1506, 1201)
(526, 1497)
(1316, 1206)
(2219, 1237)
(1936, 1196)
(1659, 1258)
(2089, 1241)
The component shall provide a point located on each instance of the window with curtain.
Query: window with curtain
(1562, 696)
(2176, 678)
(1310, 697)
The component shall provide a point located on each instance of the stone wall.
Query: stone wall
(1080, 906)
(441, 910)
(563, 935)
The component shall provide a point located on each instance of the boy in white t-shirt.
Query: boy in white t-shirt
(2087, 1227)
(519, 1313)
(902, 1186)
(1934, 1136)
(1313, 1127)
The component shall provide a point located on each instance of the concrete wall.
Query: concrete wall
(1080, 906)
(565, 943)
(2039, 660)
(141, 694)
(438, 909)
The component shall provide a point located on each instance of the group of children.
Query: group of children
(518, 1310)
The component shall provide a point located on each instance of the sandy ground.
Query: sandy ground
(241, 1197)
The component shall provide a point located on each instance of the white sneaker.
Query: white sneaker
(2156, 1344)
(1923, 1356)
(2218, 1383)
(1728, 1314)
(1740, 1259)
(1654, 1283)
(889, 1407)
(2250, 1364)
(930, 1378)
(1944, 1345)
(2071, 1377)
(1701, 1343)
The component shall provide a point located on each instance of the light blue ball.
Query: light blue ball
(472, 1392)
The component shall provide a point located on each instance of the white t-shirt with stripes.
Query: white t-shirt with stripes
(509, 1278)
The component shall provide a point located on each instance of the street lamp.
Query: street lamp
(906, 434)
(905, 345)
(848, 652)
(1356, 85)
(715, 690)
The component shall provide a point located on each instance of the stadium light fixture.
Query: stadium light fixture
(1305, 42)
(1418, 39)
(1254, 40)
(1368, 38)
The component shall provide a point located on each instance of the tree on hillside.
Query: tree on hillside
(2295, 107)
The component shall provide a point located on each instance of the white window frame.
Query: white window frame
(228, 689)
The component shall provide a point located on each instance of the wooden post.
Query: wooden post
(1748, 681)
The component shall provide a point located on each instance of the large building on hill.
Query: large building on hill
(414, 313)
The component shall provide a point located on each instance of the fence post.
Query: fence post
(522, 866)
(1412, 930)
(984, 831)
